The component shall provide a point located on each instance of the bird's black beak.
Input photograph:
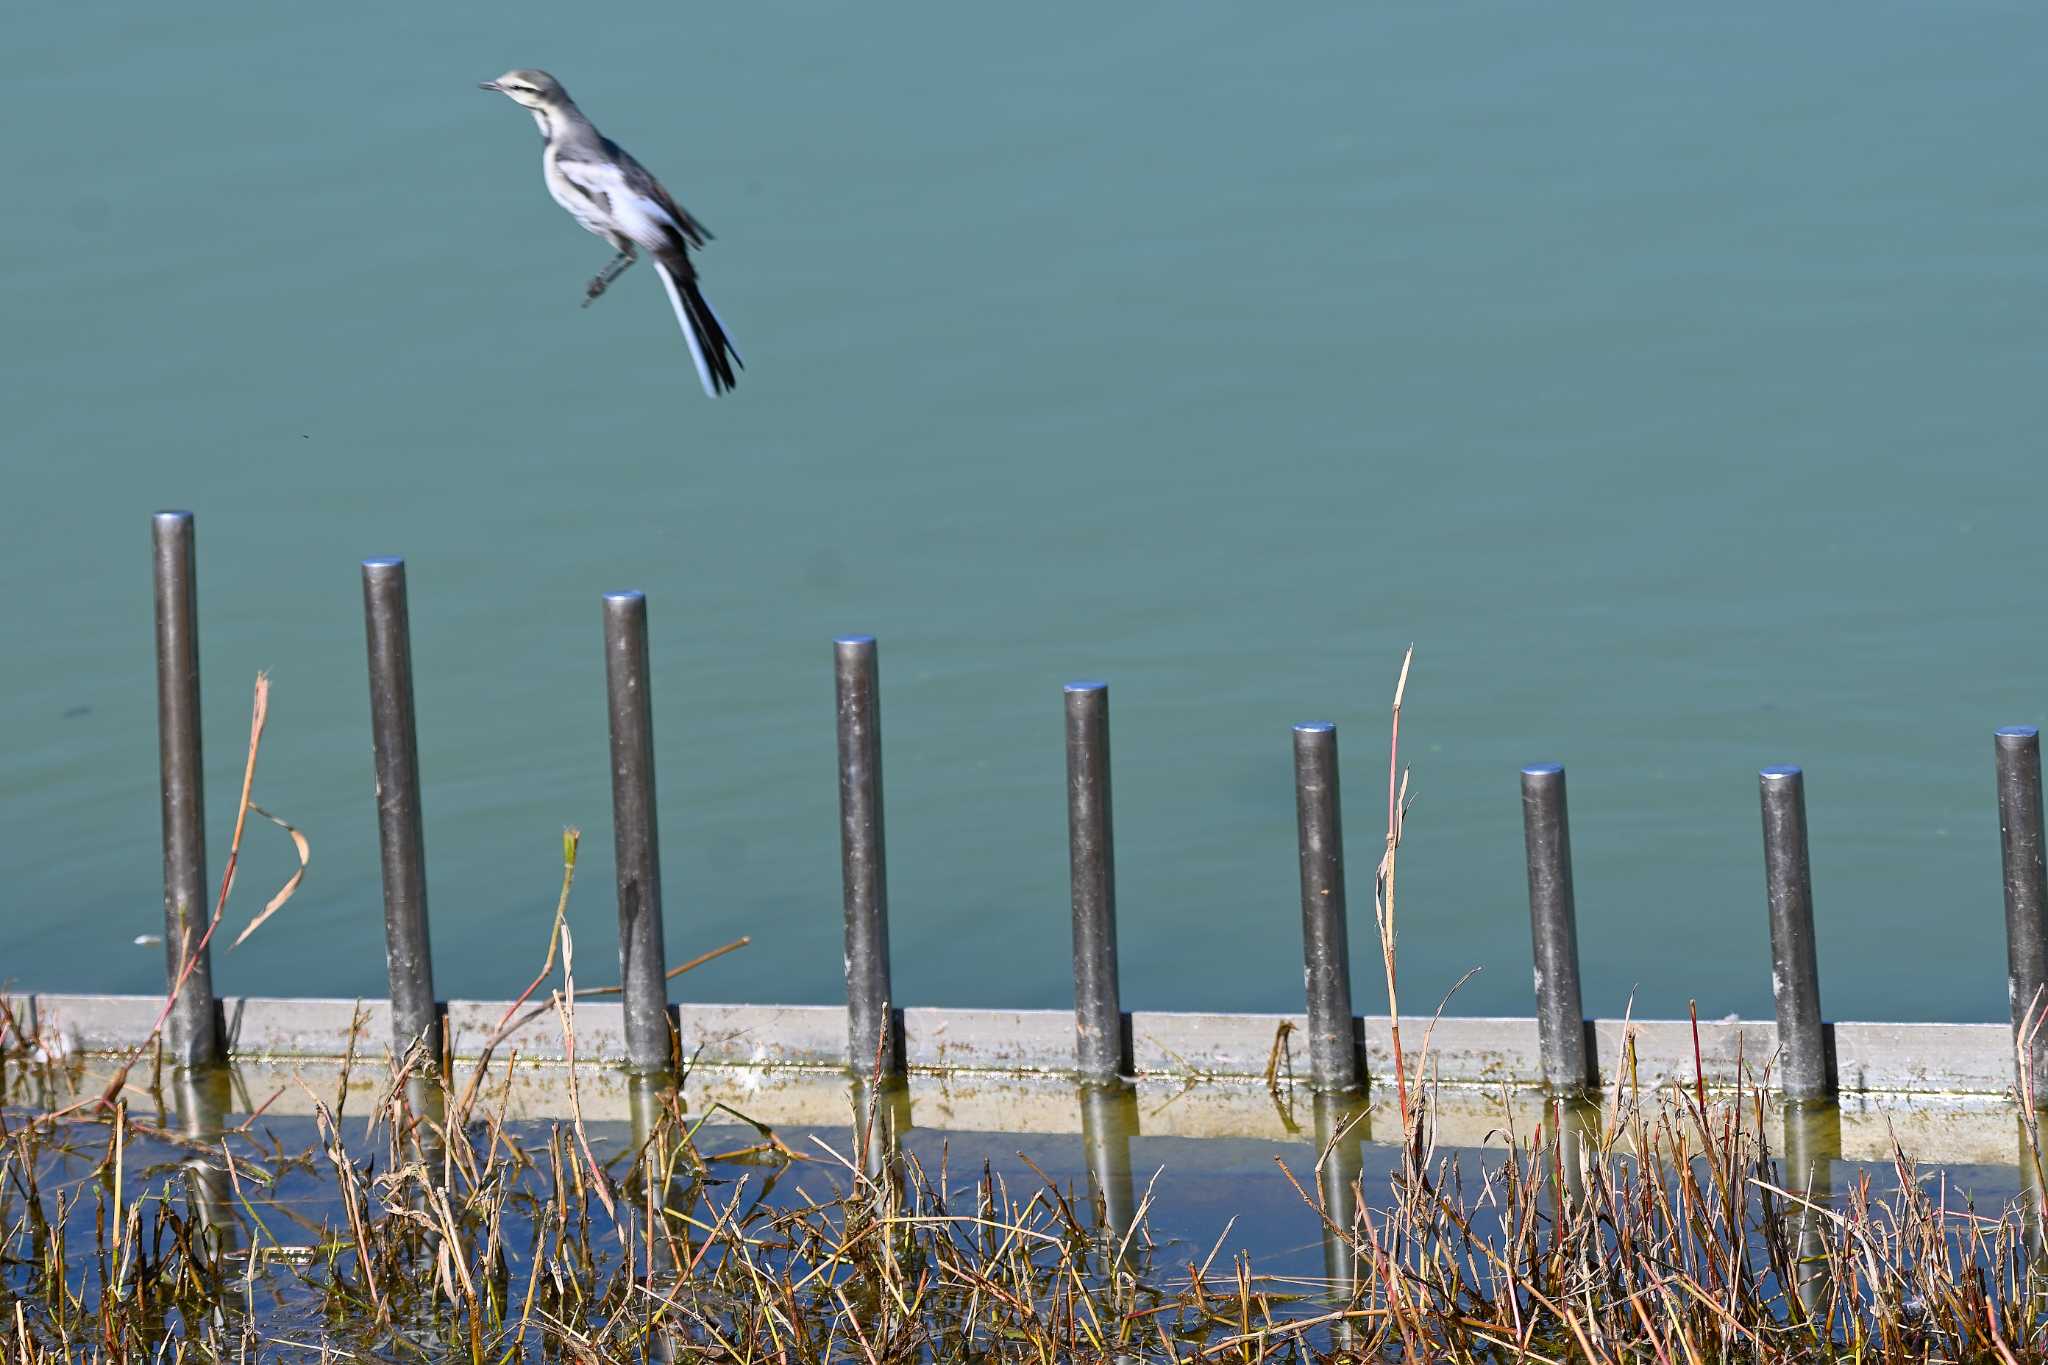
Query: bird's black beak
(489, 85)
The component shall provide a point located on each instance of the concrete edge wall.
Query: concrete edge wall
(1956, 1059)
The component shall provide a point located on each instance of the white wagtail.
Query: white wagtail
(612, 195)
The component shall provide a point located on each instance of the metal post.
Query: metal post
(195, 1018)
(642, 959)
(1803, 1070)
(863, 865)
(1325, 934)
(1553, 928)
(408, 950)
(2026, 911)
(1100, 1051)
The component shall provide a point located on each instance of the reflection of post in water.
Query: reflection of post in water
(881, 1116)
(1343, 1127)
(646, 1097)
(651, 1097)
(2033, 1153)
(658, 1167)
(426, 1105)
(1575, 1120)
(203, 1096)
(1813, 1143)
(1109, 1120)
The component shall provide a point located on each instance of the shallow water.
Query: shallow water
(264, 1187)
(1168, 1202)
(1672, 379)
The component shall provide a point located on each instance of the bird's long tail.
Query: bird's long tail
(716, 357)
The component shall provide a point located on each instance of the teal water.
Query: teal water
(1673, 381)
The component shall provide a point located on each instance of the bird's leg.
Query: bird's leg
(612, 271)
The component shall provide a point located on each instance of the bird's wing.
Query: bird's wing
(633, 199)
(643, 182)
(629, 208)
(693, 232)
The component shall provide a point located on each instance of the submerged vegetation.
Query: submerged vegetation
(1662, 1227)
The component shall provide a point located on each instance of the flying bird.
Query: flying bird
(612, 195)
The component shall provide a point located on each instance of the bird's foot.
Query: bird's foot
(596, 288)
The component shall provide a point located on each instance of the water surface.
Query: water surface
(1673, 381)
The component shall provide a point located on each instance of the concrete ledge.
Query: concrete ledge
(1969, 1059)
(1959, 1059)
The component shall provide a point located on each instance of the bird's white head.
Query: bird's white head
(536, 90)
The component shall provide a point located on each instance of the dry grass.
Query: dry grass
(1661, 1230)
